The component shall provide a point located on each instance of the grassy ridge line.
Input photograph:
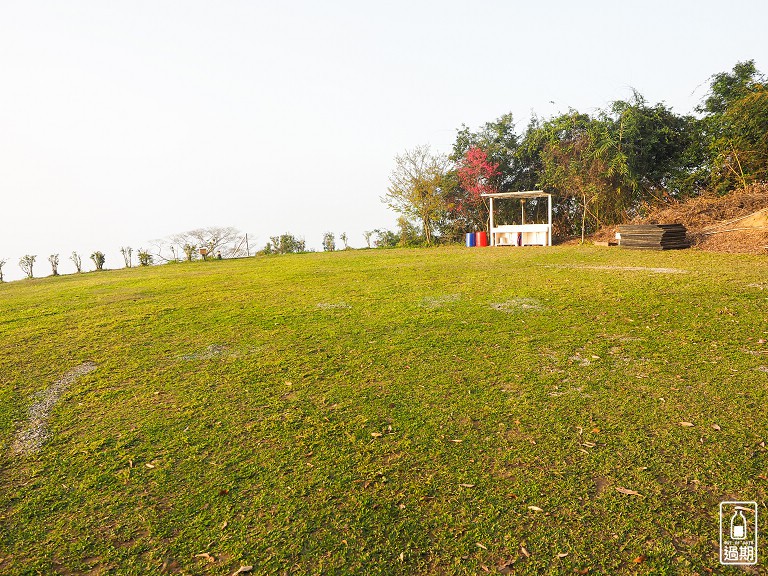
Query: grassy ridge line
(195, 363)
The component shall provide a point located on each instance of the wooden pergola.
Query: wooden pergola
(521, 234)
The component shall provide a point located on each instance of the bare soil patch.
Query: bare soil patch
(35, 431)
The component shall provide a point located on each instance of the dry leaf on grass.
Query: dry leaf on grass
(715, 427)
(535, 509)
(525, 552)
(480, 545)
(640, 559)
(627, 491)
(562, 554)
(457, 441)
(686, 424)
(467, 485)
(206, 556)
(243, 570)
(377, 434)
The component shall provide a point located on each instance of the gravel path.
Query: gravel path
(35, 431)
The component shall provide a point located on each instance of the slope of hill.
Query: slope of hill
(564, 410)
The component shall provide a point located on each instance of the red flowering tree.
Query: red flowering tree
(476, 175)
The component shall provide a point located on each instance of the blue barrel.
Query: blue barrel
(470, 239)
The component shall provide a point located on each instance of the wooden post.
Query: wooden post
(549, 219)
(493, 236)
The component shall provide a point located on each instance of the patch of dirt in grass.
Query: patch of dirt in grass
(439, 301)
(35, 431)
(600, 485)
(210, 352)
(517, 305)
(333, 305)
(622, 268)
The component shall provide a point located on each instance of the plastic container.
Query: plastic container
(470, 239)
(481, 238)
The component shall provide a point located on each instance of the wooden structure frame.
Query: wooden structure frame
(521, 234)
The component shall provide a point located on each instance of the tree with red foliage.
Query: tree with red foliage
(476, 174)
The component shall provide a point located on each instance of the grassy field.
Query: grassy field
(438, 411)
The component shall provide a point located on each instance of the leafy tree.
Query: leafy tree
(408, 234)
(386, 239)
(736, 126)
(586, 166)
(98, 259)
(417, 187)
(75, 257)
(145, 258)
(190, 251)
(329, 242)
(367, 235)
(26, 264)
(343, 237)
(285, 244)
(663, 150)
(476, 175)
(127, 253)
(500, 143)
(54, 260)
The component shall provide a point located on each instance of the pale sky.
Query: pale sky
(126, 121)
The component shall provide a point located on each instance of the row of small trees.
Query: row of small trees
(27, 262)
(603, 168)
(207, 243)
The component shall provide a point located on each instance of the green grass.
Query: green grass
(255, 387)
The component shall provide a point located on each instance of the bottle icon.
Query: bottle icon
(738, 526)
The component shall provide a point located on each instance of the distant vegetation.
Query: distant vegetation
(604, 168)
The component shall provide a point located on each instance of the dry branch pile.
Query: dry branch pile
(736, 222)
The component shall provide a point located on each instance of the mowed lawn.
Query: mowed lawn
(432, 411)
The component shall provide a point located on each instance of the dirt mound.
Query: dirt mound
(736, 222)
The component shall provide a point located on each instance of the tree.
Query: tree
(500, 143)
(386, 239)
(26, 264)
(227, 240)
(127, 253)
(329, 242)
(285, 244)
(98, 259)
(145, 258)
(408, 234)
(736, 126)
(587, 167)
(190, 251)
(417, 187)
(54, 260)
(367, 235)
(75, 257)
(663, 150)
(343, 237)
(477, 175)
(2, 263)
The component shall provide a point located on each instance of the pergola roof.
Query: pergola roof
(525, 194)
